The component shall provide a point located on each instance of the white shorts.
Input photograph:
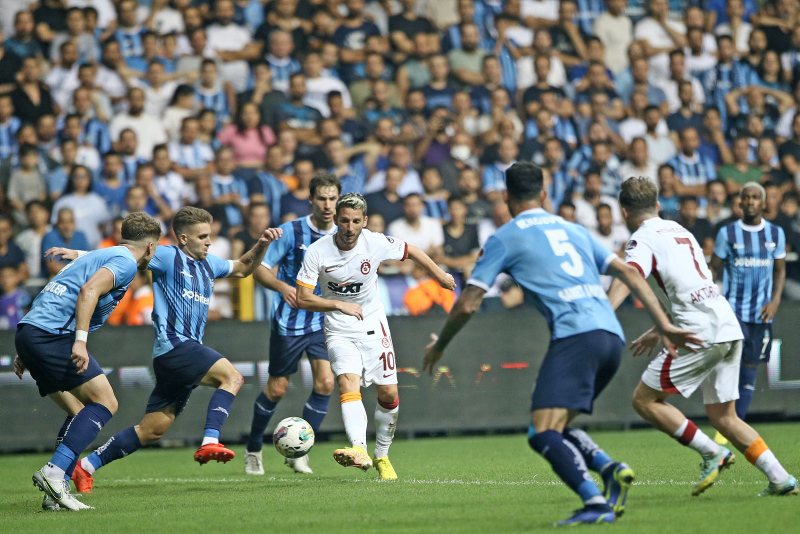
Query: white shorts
(716, 367)
(370, 358)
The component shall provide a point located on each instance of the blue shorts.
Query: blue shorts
(285, 351)
(177, 373)
(48, 357)
(576, 369)
(757, 344)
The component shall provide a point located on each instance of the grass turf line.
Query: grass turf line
(477, 484)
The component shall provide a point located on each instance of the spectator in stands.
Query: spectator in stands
(88, 209)
(417, 229)
(660, 146)
(773, 213)
(586, 204)
(111, 186)
(701, 229)
(233, 42)
(31, 97)
(736, 25)
(264, 95)
(26, 183)
(399, 156)
(692, 168)
(190, 156)
(461, 246)
(14, 301)
(388, 201)
(247, 138)
(660, 35)
(685, 116)
(667, 192)
(295, 203)
(638, 162)
(229, 191)
(435, 196)
(30, 239)
(494, 175)
(716, 198)
(741, 171)
(10, 254)
(148, 129)
(613, 236)
(258, 220)
(615, 30)
(156, 205)
(64, 234)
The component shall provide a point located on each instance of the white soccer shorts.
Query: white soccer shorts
(716, 367)
(372, 358)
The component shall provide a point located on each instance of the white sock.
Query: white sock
(385, 424)
(770, 466)
(355, 419)
(87, 466)
(53, 472)
(689, 435)
(207, 440)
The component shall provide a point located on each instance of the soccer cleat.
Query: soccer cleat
(49, 505)
(720, 439)
(300, 465)
(710, 470)
(385, 469)
(590, 515)
(253, 464)
(617, 485)
(353, 456)
(790, 487)
(83, 480)
(57, 491)
(213, 451)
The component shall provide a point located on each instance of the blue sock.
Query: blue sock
(61, 433)
(316, 409)
(747, 385)
(262, 413)
(119, 446)
(82, 431)
(568, 464)
(218, 410)
(596, 458)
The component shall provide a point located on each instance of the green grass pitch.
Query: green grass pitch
(460, 484)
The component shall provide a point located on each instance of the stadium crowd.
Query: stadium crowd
(233, 105)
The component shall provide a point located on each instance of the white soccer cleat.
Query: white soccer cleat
(58, 491)
(49, 505)
(253, 464)
(300, 465)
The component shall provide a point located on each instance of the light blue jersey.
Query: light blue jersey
(288, 253)
(54, 309)
(558, 266)
(181, 293)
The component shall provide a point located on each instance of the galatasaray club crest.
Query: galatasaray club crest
(365, 267)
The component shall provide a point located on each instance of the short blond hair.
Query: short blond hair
(139, 226)
(189, 216)
(638, 195)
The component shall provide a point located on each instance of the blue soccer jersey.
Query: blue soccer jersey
(748, 253)
(182, 292)
(54, 308)
(558, 266)
(288, 253)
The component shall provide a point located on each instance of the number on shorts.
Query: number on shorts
(388, 361)
(687, 241)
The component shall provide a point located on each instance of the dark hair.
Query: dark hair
(687, 198)
(28, 149)
(524, 181)
(567, 204)
(38, 203)
(139, 226)
(70, 184)
(182, 90)
(324, 179)
(638, 195)
(603, 207)
(666, 166)
(241, 129)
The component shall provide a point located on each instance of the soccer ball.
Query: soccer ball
(293, 437)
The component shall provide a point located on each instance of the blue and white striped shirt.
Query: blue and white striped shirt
(95, 132)
(494, 176)
(288, 253)
(749, 253)
(272, 189)
(697, 170)
(225, 185)
(282, 70)
(588, 11)
(216, 99)
(8, 140)
(130, 41)
(194, 156)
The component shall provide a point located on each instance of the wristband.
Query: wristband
(81, 335)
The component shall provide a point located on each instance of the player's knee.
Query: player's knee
(151, 435)
(234, 381)
(111, 403)
(276, 388)
(323, 385)
(641, 405)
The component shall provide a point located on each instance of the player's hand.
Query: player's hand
(270, 235)
(352, 309)
(645, 343)
(289, 294)
(674, 338)
(65, 253)
(432, 355)
(80, 356)
(769, 310)
(19, 367)
(447, 282)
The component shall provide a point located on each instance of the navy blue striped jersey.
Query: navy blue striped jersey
(288, 253)
(131, 42)
(95, 132)
(182, 292)
(748, 254)
(216, 99)
(53, 310)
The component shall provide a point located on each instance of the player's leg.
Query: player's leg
(223, 376)
(263, 409)
(564, 387)
(755, 350)
(386, 412)
(71, 405)
(719, 395)
(355, 423)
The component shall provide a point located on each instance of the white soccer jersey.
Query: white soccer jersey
(669, 257)
(351, 276)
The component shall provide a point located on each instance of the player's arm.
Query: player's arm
(425, 262)
(65, 253)
(778, 280)
(307, 300)
(266, 277)
(247, 264)
(99, 284)
(631, 277)
(715, 265)
(468, 303)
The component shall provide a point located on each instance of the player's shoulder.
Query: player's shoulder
(772, 227)
(113, 252)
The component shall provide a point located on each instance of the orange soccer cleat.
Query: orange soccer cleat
(213, 451)
(82, 479)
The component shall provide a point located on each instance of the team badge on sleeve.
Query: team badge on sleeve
(631, 245)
